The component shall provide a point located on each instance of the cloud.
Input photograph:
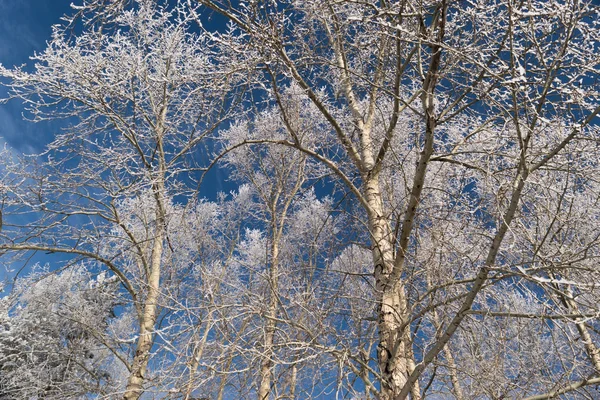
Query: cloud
(25, 27)
(20, 136)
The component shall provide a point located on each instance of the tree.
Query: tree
(277, 177)
(445, 121)
(53, 334)
(200, 293)
(141, 92)
(459, 140)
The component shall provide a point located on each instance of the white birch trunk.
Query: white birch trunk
(393, 315)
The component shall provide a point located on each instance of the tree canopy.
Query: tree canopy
(415, 215)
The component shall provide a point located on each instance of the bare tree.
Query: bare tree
(292, 232)
(277, 177)
(437, 116)
(141, 93)
(459, 140)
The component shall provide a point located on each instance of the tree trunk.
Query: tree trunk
(590, 347)
(451, 364)
(393, 354)
(134, 388)
(140, 361)
(197, 352)
(266, 367)
(293, 382)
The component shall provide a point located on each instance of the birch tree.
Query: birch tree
(437, 116)
(139, 92)
(461, 136)
(292, 233)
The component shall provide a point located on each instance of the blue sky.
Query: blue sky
(25, 26)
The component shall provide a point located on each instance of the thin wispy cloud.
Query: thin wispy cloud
(25, 27)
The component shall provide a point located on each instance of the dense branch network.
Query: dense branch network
(413, 211)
